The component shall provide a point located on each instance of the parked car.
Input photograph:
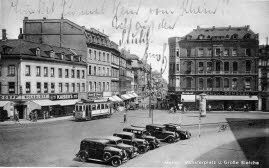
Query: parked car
(129, 138)
(100, 150)
(117, 142)
(132, 106)
(160, 132)
(141, 133)
(183, 134)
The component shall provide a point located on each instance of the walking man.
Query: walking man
(125, 116)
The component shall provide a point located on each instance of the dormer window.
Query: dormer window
(52, 54)
(71, 58)
(37, 52)
(62, 56)
(188, 37)
(200, 37)
(208, 36)
(79, 59)
(247, 36)
(234, 36)
(227, 36)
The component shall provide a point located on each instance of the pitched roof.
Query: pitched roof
(226, 32)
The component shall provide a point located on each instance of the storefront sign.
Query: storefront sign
(91, 94)
(99, 94)
(24, 97)
(63, 96)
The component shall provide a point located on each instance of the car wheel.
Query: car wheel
(83, 156)
(170, 140)
(152, 146)
(115, 162)
(107, 156)
(141, 150)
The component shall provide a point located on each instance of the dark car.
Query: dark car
(129, 139)
(141, 133)
(117, 142)
(183, 134)
(160, 132)
(100, 150)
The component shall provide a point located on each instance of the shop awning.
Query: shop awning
(223, 97)
(135, 95)
(131, 95)
(112, 99)
(68, 102)
(125, 97)
(188, 98)
(117, 98)
(46, 102)
(3, 103)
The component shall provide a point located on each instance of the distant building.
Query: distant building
(263, 73)
(41, 77)
(218, 61)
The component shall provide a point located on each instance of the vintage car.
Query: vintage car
(141, 133)
(129, 139)
(183, 134)
(100, 150)
(117, 142)
(161, 133)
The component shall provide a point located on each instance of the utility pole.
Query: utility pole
(149, 83)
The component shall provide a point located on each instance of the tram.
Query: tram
(88, 109)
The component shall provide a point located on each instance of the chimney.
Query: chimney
(4, 34)
(266, 41)
(213, 27)
(20, 35)
(247, 27)
(20, 30)
(25, 18)
(198, 27)
(44, 18)
(62, 16)
(230, 27)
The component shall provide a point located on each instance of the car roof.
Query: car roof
(157, 125)
(113, 138)
(172, 124)
(125, 133)
(135, 128)
(98, 140)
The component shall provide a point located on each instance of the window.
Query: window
(188, 52)
(234, 84)
(247, 52)
(99, 86)
(104, 86)
(235, 66)
(45, 87)
(99, 71)
(177, 52)
(66, 87)
(234, 36)
(95, 89)
(52, 72)
(0, 88)
(226, 83)
(188, 82)
(226, 67)
(83, 74)
(200, 52)
(209, 83)
(37, 52)
(104, 71)
(66, 73)
(248, 66)
(45, 71)
(107, 73)
(60, 87)
(94, 70)
(99, 56)
(107, 86)
(73, 89)
(0, 70)
(188, 67)
(95, 55)
(234, 52)
(226, 52)
(209, 50)
(201, 67)
(247, 84)
(78, 87)
(11, 70)
(218, 66)
(90, 70)
(90, 86)
(11, 87)
(218, 80)
(209, 67)
(38, 87)
(28, 87)
(27, 70)
(104, 57)
(83, 87)
(90, 53)
(78, 73)
(72, 73)
(177, 67)
(217, 52)
(201, 83)
(52, 54)
(52, 87)
(108, 58)
(60, 72)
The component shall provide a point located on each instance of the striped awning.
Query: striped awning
(125, 97)
(3, 103)
(117, 98)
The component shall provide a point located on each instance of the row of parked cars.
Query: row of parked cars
(129, 143)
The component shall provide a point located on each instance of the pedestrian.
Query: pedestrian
(16, 117)
(125, 116)
(209, 107)
(180, 107)
(184, 109)
(175, 109)
(245, 108)
(35, 116)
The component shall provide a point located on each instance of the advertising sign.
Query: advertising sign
(63, 96)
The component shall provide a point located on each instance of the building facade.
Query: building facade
(40, 77)
(263, 77)
(218, 61)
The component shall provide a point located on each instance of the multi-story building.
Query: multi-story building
(102, 74)
(218, 61)
(263, 74)
(40, 76)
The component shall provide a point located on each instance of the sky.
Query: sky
(147, 23)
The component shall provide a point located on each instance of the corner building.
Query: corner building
(218, 61)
